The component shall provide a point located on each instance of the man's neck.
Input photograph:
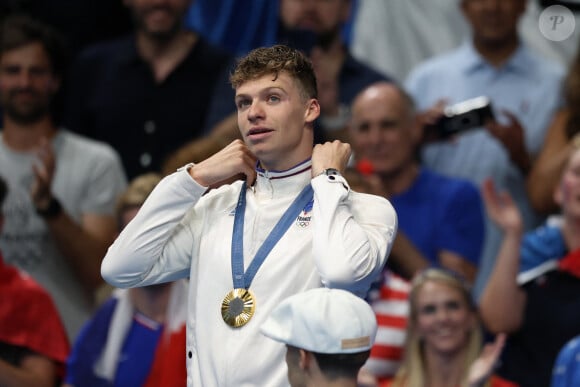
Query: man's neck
(336, 50)
(165, 55)
(399, 181)
(334, 43)
(25, 137)
(497, 53)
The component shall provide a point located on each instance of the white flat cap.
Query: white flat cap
(322, 320)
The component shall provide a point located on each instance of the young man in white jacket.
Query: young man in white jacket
(292, 224)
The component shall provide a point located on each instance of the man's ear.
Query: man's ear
(312, 111)
(305, 359)
(416, 130)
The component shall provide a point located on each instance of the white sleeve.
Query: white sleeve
(156, 245)
(353, 234)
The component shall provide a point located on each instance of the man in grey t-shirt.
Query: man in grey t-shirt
(62, 187)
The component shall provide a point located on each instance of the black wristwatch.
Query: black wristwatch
(51, 211)
(330, 172)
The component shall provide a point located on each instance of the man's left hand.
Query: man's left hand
(333, 154)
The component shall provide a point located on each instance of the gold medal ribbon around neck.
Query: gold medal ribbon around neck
(239, 305)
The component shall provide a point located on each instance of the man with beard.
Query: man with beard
(313, 27)
(147, 93)
(62, 187)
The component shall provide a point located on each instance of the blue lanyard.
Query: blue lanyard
(241, 279)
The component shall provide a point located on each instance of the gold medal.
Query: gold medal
(238, 307)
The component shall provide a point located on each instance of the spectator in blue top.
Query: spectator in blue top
(440, 218)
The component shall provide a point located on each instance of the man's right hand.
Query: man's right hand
(43, 172)
(428, 121)
(227, 165)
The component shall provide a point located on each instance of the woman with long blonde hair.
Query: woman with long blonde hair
(444, 337)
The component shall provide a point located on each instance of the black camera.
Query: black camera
(464, 116)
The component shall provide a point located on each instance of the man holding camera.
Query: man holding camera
(524, 92)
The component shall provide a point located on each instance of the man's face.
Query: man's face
(274, 119)
(321, 16)
(160, 19)
(27, 83)
(493, 21)
(383, 130)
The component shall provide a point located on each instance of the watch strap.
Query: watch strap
(53, 209)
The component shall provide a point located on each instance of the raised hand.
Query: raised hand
(333, 154)
(232, 162)
(501, 208)
(483, 366)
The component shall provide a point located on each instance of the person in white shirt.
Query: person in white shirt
(303, 227)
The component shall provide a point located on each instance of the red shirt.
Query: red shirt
(28, 317)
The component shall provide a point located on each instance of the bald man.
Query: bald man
(440, 217)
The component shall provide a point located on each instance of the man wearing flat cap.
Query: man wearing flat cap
(328, 335)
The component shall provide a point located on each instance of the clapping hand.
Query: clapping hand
(43, 171)
(483, 366)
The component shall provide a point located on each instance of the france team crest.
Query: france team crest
(305, 216)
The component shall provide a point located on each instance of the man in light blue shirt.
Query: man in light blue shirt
(524, 90)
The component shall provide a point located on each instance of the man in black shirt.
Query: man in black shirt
(147, 93)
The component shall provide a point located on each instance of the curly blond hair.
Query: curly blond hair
(274, 60)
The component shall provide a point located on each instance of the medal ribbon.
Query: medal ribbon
(241, 279)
